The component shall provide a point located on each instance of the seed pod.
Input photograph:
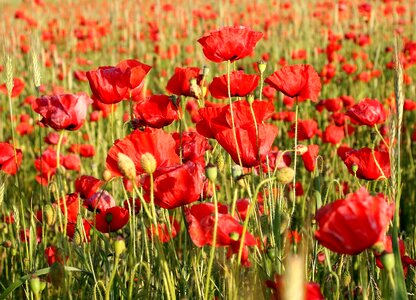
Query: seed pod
(148, 163)
(126, 166)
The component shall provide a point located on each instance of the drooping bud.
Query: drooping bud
(126, 166)
(148, 163)
(285, 175)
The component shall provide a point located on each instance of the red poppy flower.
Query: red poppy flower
(109, 84)
(86, 186)
(64, 111)
(352, 225)
(46, 165)
(53, 138)
(105, 109)
(276, 160)
(155, 111)
(229, 43)
(179, 83)
(299, 81)
(201, 220)
(70, 207)
(367, 112)
(18, 86)
(188, 180)
(310, 156)
(85, 150)
(8, 162)
(136, 205)
(99, 201)
(364, 160)
(306, 129)
(252, 149)
(333, 134)
(163, 233)
(111, 219)
(193, 146)
(137, 71)
(71, 162)
(241, 85)
(53, 254)
(157, 142)
(388, 248)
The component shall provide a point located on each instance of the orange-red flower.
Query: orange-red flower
(367, 112)
(229, 43)
(9, 163)
(352, 225)
(299, 81)
(241, 85)
(64, 111)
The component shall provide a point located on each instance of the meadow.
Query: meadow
(207, 149)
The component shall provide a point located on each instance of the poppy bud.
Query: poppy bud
(126, 166)
(119, 246)
(107, 175)
(285, 175)
(354, 168)
(387, 260)
(262, 66)
(271, 253)
(378, 248)
(34, 284)
(148, 163)
(211, 172)
(250, 99)
(50, 214)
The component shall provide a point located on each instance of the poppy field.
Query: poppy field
(207, 149)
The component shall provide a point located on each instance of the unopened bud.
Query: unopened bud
(119, 246)
(148, 163)
(107, 175)
(7, 244)
(387, 259)
(126, 166)
(34, 284)
(77, 238)
(50, 214)
(346, 279)
(211, 172)
(262, 66)
(285, 175)
(354, 168)
(250, 99)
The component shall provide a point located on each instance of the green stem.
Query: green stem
(214, 242)
(113, 275)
